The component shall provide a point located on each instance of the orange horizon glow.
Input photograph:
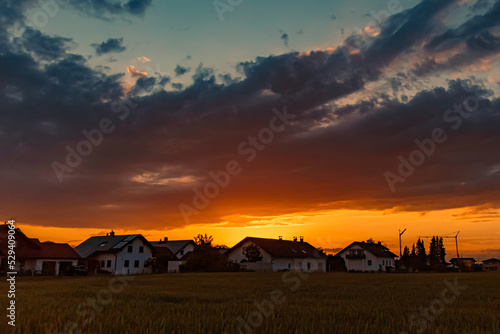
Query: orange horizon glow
(331, 230)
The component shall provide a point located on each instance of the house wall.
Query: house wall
(186, 249)
(106, 257)
(37, 264)
(364, 264)
(491, 267)
(237, 254)
(173, 266)
(124, 255)
(280, 264)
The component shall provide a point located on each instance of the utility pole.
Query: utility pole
(400, 234)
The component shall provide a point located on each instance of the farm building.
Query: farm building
(491, 265)
(279, 255)
(118, 254)
(37, 258)
(367, 256)
(179, 248)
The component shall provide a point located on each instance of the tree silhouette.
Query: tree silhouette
(201, 239)
(252, 253)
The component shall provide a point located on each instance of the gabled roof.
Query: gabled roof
(492, 260)
(52, 250)
(108, 244)
(282, 248)
(164, 253)
(27, 248)
(376, 249)
(174, 245)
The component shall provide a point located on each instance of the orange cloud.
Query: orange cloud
(135, 73)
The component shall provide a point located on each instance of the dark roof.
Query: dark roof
(376, 249)
(27, 248)
(174, 245)
(282, 248)
(107, 244)
(492, 260)
(164, 253)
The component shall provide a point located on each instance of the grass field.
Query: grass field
(290, 303)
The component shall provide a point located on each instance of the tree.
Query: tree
(201, 239)
(442, 251)
(205, 258)
(421, 259)
(252, 253)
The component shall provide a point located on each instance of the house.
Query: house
(179, 248)
(367, 256)
(491, 265)
(279, 255)
(466, 262)
(35, 257)
(118, 254)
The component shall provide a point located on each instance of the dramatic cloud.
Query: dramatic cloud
(111, 45)
(181, 70)
(104, 9)
(354, 110)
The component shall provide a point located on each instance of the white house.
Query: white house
(367, 256)
(180, 248)
(279, 255)
(118, 254)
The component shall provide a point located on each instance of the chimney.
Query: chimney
(295, 239)
(112, 234)
(301, 239)
(280, 237)
(380, 243)
(165, 239)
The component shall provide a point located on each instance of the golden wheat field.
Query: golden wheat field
(258, 303)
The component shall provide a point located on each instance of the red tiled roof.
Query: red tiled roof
(27, 248)
(282, 248)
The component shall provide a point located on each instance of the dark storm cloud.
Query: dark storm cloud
(44, 46)
(476, 25)
(326, 158)
(181, 70)
(104, 9)
(480, 4)
(111, 45)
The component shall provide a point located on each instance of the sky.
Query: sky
(338, 121)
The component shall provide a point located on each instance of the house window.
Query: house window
(308, 265)
(369, 262)
(181, 252)
(141, 249)
(136, 264)
(109, 264)
(289, 265)
(383, 262)
(126, 264)
(129, 249)
(102, 263)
